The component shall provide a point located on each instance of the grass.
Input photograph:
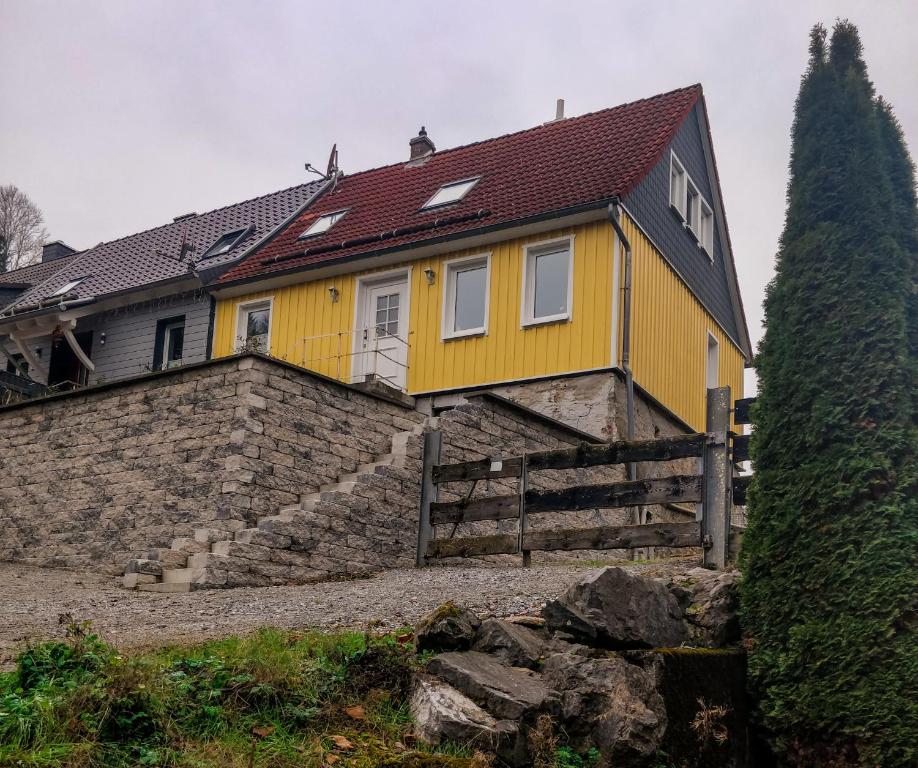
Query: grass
(288, 698)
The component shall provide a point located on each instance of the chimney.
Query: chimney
(56, 250)
(559, 109)
(421, 145)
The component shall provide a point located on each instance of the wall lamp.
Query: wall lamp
(334, 293)
(430, 275)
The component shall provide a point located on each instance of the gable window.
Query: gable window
(450, 193)
(225, 243)
(465, 305)
(170, 343)
(547, 281)
(321, 225)
(706, 233)
(677, 180)
(67, 287)
(692, 207)
(253, 326)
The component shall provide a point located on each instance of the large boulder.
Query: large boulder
(610, 704)
(612, 608)
(710, 601)
(512, 643)
(510, 693)
(441, 713)
(448, 628)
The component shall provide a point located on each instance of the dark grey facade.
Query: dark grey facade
(649, 205)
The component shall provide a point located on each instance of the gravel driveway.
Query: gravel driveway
(31, 599)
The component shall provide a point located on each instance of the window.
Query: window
(225, 243)
(170, 343)
(465, 303)
(321, 225)
(677, 185)
(253, 327)
(547, 276)
(450, 193)
(712, 361)
(695, 212)
(68, 287)
(706, 234)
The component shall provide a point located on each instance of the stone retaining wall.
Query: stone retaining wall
(88, 479)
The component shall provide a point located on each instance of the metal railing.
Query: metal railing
(343, 353)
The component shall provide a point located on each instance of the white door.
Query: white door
(383, 332)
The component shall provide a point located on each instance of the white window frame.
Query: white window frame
(450, 269)
(431, 205)
(711, 342)
(242, 313)
(313, 229)
(167, 332)
(530, 251)
(706, 226)
(679, 195)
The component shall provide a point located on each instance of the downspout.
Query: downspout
(615, 212)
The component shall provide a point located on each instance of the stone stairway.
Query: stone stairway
(364, 521)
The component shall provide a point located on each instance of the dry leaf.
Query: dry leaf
(356, 712)
(262, 731)
(331, 759)
(405, 638)
(342, 743)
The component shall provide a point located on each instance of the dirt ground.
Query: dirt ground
(33, 599)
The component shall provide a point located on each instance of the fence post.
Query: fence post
(524, 482)
(717, 496)
(432, 442)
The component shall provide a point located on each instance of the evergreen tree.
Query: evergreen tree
(830, 558)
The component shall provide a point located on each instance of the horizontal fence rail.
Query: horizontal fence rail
(716, 489)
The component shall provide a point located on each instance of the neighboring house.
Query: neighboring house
(496, 265)
(134, 304)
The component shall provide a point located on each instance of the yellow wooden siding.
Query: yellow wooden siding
(305, 311)
(669, 336)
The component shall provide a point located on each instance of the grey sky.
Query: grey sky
(119, 115)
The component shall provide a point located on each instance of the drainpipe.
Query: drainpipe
(615, 212)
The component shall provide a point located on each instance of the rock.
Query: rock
(615, 609)
(506, 692)
(448, 628)
(712, 612)
(534, 622)
(514, 644)
(609, 704)
(440, 712)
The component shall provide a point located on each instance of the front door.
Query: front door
(382, 333)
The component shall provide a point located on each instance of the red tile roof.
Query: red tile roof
(551, 168)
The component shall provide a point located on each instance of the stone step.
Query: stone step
(142, 565)
(175, 586)
(134, 580)
(345, 487)
(170, 558)
(210, 535)
(181, 575)
(189, 546)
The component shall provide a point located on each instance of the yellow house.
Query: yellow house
(545, 265)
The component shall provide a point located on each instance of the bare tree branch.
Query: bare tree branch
(22, 230)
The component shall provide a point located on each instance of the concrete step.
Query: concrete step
(181, 575)
(170, 558)
(210, 535)
(142, 565)
(175, 586)
(340, 487)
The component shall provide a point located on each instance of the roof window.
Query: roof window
(225, 243)
(450, 193)
(321, 225)
(67, 287)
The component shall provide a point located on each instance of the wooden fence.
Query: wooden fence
(715, 489)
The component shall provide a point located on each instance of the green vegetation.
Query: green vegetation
(830, 594)
(296, 699)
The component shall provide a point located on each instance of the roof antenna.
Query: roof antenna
(331, 169)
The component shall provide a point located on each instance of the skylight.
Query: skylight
(68, 287)
(321, 225)
(225, 243)
(450, 193)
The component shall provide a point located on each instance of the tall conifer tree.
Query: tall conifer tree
(830, 596)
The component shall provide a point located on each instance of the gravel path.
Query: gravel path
(31, 599)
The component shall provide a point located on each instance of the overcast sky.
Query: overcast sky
(117, 116)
